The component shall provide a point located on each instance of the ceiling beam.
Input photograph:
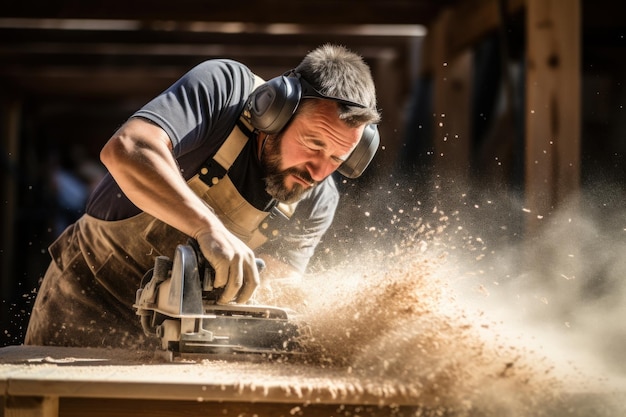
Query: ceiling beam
(254, 11)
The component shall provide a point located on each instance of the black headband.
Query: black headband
(308, 91)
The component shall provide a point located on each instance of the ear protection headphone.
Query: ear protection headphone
(270, 107)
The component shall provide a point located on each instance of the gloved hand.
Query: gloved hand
(234, 264)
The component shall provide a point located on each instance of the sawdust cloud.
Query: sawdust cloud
(444, 300)
(466, 317)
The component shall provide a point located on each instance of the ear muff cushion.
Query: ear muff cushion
(362, 154)
(272, 104)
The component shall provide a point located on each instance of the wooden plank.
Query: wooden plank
(100, 373)
(247, 388)
(553, 105)
(215, 381)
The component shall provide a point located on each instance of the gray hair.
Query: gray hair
(335, 71)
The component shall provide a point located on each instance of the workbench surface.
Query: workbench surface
(75, 375)
(55, 381)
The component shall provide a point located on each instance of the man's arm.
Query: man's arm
(139, 157)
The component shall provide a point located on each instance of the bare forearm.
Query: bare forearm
(139, 158)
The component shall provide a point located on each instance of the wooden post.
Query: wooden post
(10, 112)
(31, 406)
(553, 105)
(387, 91)
(451, 107)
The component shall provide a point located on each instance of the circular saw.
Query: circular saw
(176, 302)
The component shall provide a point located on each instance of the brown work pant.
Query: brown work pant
(73, 309)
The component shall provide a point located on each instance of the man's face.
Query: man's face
(311, 148)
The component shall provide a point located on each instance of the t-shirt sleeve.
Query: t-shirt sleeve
(190, 109)
(300, 235)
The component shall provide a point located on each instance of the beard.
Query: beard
(275, 177)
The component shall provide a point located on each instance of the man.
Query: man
(217, 157)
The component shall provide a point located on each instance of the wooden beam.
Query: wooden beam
(472, 20)
(468, 22)
(553, 105)
(285, 11)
